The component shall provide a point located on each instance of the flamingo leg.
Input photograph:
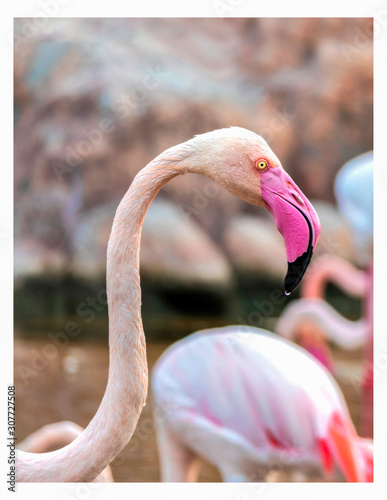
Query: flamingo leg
(178, 462)
(223, 448)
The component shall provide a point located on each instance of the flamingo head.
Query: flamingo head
(243, 163)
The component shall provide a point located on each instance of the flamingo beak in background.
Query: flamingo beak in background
(296, 220)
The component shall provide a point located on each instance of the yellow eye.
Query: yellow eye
(261, 164)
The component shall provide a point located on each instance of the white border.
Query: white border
(199, 8)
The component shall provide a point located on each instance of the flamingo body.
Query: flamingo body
(246, 401)
(354, 194)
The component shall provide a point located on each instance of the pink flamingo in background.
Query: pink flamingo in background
(54, 436)
(243, 163)
(354, 194)
(313, 319)
(247, 401)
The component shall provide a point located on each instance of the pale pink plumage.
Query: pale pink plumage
(248, 401)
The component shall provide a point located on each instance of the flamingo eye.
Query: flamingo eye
(261, 164)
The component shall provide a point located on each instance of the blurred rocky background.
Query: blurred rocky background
(96, 100)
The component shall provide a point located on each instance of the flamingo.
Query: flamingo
(54, 436)
(311, 317)
(243, 163)
(313, 320)
(354, 194)
(248, 401)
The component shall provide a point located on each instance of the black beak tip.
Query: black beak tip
(296, 271)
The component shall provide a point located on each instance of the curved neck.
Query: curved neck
(113, 425)
(337, 271)
(344, 332)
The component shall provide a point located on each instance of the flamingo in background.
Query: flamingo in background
(354, 194)
(240, 161)
(248, 401)
(311, 318)
(54, 436)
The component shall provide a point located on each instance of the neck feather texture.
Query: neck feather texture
(113, 424)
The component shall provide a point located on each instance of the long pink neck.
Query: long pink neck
(125, 395)
(337, 271)
(316, 312)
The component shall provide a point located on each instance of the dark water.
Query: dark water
(169, 311)
(68, 382)
(70, 386)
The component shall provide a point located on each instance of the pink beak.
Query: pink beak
(296, 220)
